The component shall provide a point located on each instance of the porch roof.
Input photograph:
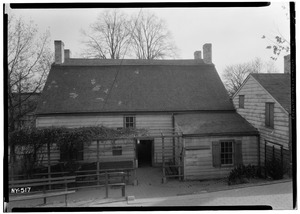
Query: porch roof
(219, 123)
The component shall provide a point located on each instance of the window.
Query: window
(226, 152)
(117, 150)
(68, 153)
(241, 101)
(129, 122)
(269, 115)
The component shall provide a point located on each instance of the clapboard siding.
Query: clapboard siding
(156, 124)
(254, 112)
(106, 151)
(198, 164)
(112, 121)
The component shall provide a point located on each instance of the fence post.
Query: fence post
(281, 155)
(106, 184)
(265, 159)
(12, 161)
(123, 187)
(49, 164)
(44, 191)
(98, 164)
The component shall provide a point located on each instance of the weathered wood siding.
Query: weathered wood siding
(198, 163)
(106, 151)
(156, 124)
(254, 113)
(112, 121)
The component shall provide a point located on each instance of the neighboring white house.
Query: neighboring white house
(264, 100)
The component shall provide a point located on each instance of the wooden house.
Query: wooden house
(182, 104)
(264, 100)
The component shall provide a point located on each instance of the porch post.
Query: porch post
(265, 158)
(163, 159)
(135, 181)
(183, 157)
(179, 159)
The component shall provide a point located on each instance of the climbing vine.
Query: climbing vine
(29, 143)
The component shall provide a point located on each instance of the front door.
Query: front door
(144, 152)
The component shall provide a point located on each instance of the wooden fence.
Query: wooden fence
(276, 151)
(83, 179)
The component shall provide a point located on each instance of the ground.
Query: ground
(151, 192)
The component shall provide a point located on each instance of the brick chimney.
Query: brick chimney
(197, 55)
(67, 54)
(287, 64)
(207, 55)
(59, 52)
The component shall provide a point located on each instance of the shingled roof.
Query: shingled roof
(83, 86)
(278, 85)
(214, 124)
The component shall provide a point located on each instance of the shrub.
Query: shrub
(275, 169)
(242, 174)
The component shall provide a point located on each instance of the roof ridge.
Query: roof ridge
(269, 73)
(109, 62)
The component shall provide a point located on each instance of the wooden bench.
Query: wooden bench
(119, 166)
(37, 188)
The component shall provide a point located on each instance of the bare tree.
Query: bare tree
(278, 43)
(108, 37)
(29, 61)
(234, 75)
(151, 38)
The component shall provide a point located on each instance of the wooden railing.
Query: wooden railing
(84, 179)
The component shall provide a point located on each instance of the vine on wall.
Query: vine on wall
(29, 143)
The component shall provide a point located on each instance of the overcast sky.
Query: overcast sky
(235, 33)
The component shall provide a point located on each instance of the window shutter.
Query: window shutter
(134, 122)
(216, 153)
(267, 115)
(238, 153)
(271, 115)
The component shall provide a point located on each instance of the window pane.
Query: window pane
(241, 101)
